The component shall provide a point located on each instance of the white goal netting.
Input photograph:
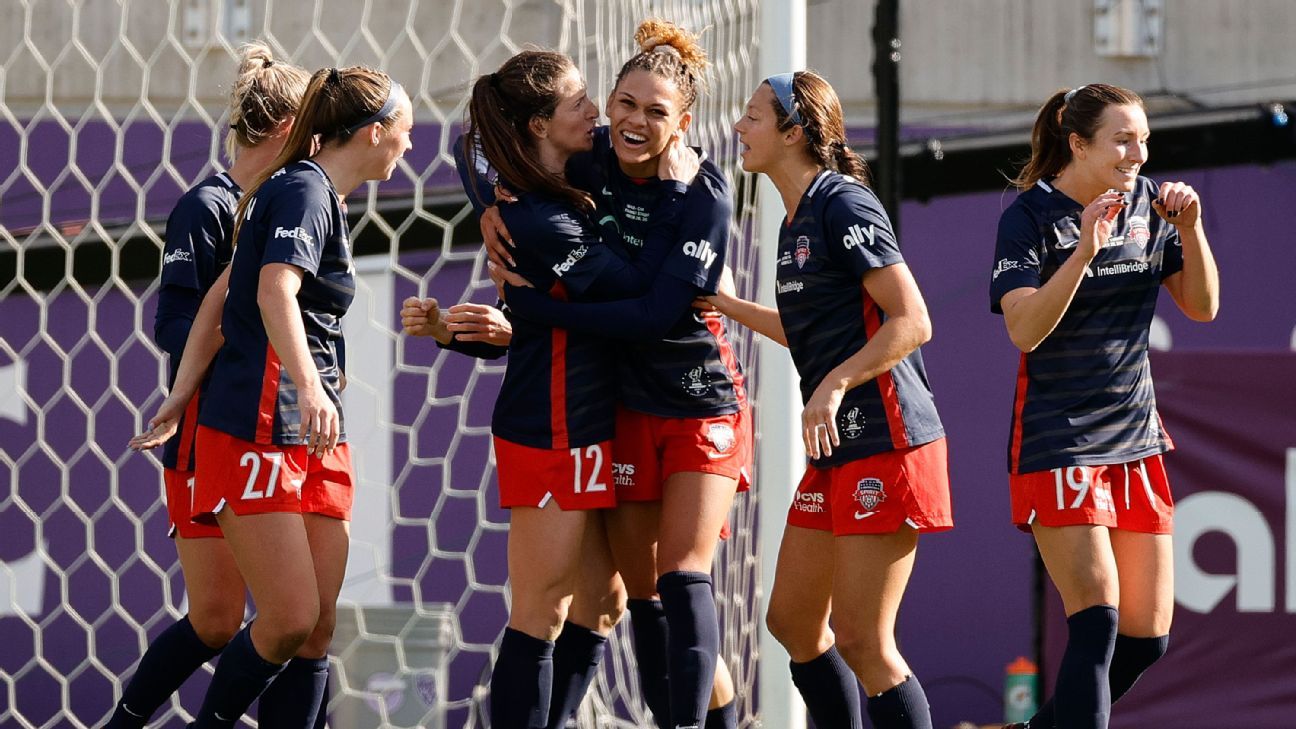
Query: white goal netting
(109, 110)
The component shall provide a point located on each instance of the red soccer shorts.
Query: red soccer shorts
(1134, 496)
(878, 494)
(179, 499)
(263, 478)
(575, 478)
(650, 449)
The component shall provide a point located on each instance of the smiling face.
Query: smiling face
(761, 142)
(644, 111)
(1118, 150)
(570, 129)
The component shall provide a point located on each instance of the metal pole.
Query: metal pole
(886, 81)
(780, 455)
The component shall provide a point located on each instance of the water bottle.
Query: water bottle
(1019, 691)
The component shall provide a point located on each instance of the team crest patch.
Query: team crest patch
(853, 427)
(802, 250)
(721, 436)
(869, 493)
(1138, 232)
(695, 382)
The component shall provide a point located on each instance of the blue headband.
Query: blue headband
(782, 85)
(388, 107)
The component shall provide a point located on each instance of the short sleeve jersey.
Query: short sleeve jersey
(692, 371)
(296, 218)
(1084, 396)
(559, 388)
(839, 233)
(198, 248)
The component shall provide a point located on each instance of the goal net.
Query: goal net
(109, 110)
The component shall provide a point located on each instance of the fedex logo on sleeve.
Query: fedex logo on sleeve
(701, 250)
(295, 233)
(572, 258)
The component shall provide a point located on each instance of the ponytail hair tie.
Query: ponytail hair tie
(335, 76)
(494, 79)
(268, 63)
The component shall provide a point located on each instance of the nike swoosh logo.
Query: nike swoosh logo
(717, 456)
(606, 191)
(865, 515)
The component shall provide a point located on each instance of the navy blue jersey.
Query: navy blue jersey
(295, 218)
(558, 389)
(692, 371)
(198, 247)
(839, 233)
(1084, 396)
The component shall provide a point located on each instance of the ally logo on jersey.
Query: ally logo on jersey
(857, 236)
(702, 250)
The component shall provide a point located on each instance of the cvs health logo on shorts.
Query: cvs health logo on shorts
(623, 474)
(811, 502)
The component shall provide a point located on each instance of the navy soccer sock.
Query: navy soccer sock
(241, 676)
(723, 717)
(830, 690)
(1083, 695)
(1130, 658)
(170, 659)
(522, 682)
(692, 645)
(576, 657)
(901, 707)
(296, 697)
(649, 630)
(321, 719)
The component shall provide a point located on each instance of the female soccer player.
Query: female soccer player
(853, 318)
(555, 413)
(198, 247)
(683, 443)
(275, 470)
(1080, 257)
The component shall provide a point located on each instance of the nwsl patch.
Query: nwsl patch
(869, 493)
(853, 427)
(802, 250)
(1138, 232)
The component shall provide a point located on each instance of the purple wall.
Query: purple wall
(135, 173)
(968, 611)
